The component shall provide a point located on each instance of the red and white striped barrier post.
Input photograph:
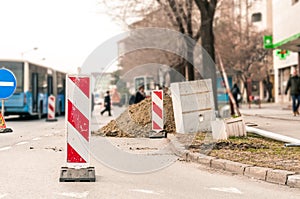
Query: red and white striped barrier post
(78, 106)
(157, 114)
(51, 109)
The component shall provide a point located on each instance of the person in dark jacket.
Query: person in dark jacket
(235, 92)
(107, 104)
(140, 95)
(294, 86)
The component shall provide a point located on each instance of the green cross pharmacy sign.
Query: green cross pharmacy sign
(282, 54)
(268, 42)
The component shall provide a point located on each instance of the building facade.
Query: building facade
(286, 41)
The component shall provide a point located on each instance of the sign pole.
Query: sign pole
(2, 107)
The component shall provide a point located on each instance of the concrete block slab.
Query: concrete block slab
(218, 130)
(194, 105)
(293, 181)
(278, 176)
(259, 173)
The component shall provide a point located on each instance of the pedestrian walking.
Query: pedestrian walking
(140, 94)
(236, 93)
(107, 104)
(294, 86)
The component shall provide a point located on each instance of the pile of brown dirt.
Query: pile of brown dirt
(135, 121)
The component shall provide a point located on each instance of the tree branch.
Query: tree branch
(189, 8)
(173, 6)
(168, 13)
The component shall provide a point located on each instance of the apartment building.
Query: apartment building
(286, 44)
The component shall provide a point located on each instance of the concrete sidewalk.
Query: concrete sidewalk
(275, 117)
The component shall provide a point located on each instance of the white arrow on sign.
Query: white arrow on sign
(7, 84)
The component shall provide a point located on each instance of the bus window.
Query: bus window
(50, 85)
(42, 77)
(150, 83)
(138, 82)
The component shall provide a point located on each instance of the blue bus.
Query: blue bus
(34, 84)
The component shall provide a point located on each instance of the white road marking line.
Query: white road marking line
(74, 195)
(227, 189)
(21, 143)
(37, 138)
(3, 195)
(5, 148)
(144, 191)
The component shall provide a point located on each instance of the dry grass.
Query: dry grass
(253, 150)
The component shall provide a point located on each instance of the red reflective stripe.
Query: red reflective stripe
(156, 109)
(51, 108)
(159, 94)
(78, 120)
(155, 126)
(73, 156)
(83, 84)
(52, 98)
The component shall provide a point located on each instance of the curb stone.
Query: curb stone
(235, 167)
(293, 181)
(276, 176)
(218, 164)
(205, 160)
(259, 173)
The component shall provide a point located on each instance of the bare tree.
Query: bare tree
(242, 49)
(193, 18)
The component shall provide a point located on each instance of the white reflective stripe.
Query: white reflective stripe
(51, 102)
(7, 84)
(157, 120)
(78, 98)
(78, 142)
(157, 100)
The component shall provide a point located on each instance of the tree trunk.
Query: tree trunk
(207, 41)
(190, 46)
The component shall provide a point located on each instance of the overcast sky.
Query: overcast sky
(64, 31)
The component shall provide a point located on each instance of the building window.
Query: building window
(256, 17)
(294, 1)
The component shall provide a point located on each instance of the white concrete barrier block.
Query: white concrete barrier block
(219, 130)
(193, 106)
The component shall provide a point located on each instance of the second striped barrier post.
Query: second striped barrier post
(157, 115)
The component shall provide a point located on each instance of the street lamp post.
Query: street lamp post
(22, 53)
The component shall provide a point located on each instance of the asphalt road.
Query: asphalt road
(33, 154)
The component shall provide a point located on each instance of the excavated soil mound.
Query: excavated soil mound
(135, 121)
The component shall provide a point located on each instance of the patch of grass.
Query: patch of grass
(253, 150)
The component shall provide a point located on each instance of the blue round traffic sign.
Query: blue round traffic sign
(8, 83)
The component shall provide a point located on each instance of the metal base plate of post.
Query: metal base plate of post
(51, 120)
(6, 130)
(77, 175)
(159, 134)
